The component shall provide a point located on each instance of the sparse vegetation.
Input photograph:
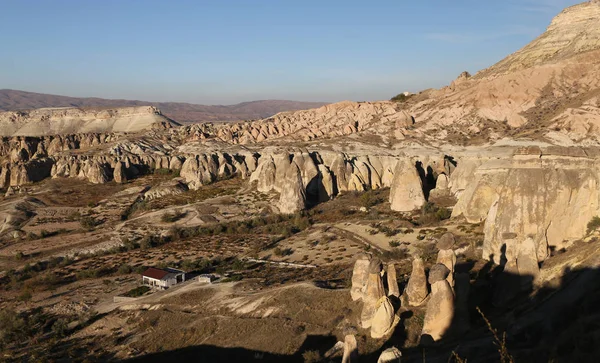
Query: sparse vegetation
(169, 217)
(593, 224)
(137, 292)
(88, 222)
(400, 98)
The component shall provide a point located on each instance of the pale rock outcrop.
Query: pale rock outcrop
(374, 292)
(293, 194)
(416, 289)
(550, 201)
(325, 185)
(448, 259)
(55, 121)
(392, 281)
(446, 255)
(360, 276)
(120, 173)
(440, 308)
(385, 320)
(406, 192)
(390, 355)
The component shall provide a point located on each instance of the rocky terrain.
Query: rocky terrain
(13, 100)
(458, 224)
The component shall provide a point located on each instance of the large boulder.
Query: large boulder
(406, 193)
(384, 320)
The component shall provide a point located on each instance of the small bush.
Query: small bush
(593, 224)
(282, 252)
(25, 295)
(59, 328)
(370, 199)
(137, 292)
(19, 256)
(88, 222)
(400, 98)
(173, 217)
(394, 244)
(125, 269)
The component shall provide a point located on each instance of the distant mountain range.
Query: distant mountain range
(13, 100)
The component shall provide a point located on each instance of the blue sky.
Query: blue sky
(229, 51)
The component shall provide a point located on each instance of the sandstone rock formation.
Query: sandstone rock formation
(293, 194)
(440, 308)
(392, 281)
(416, 290)
(446, 255)
(406, 193)
(374, 292)
(360, 276)
(385, 320)
(350, 349)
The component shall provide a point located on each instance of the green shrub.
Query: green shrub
(593, 224)
(169, 217)
(394, 244)
(88, 222)
(400, 98)
(124, 269)
(12, 327)
(59, 328)
(137, 292)
(370, 199)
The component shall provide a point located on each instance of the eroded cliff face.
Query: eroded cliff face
(548, 194)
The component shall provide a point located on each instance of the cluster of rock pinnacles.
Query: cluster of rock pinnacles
(444, 293)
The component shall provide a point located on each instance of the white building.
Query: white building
(162, 279)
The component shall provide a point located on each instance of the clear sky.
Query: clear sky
(228, 51)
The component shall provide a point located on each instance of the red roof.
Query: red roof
(155, 273)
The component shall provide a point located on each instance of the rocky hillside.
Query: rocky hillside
(13, 100)
(548, 90)
(66, 121)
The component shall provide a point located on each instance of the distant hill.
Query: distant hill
(12, 100)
